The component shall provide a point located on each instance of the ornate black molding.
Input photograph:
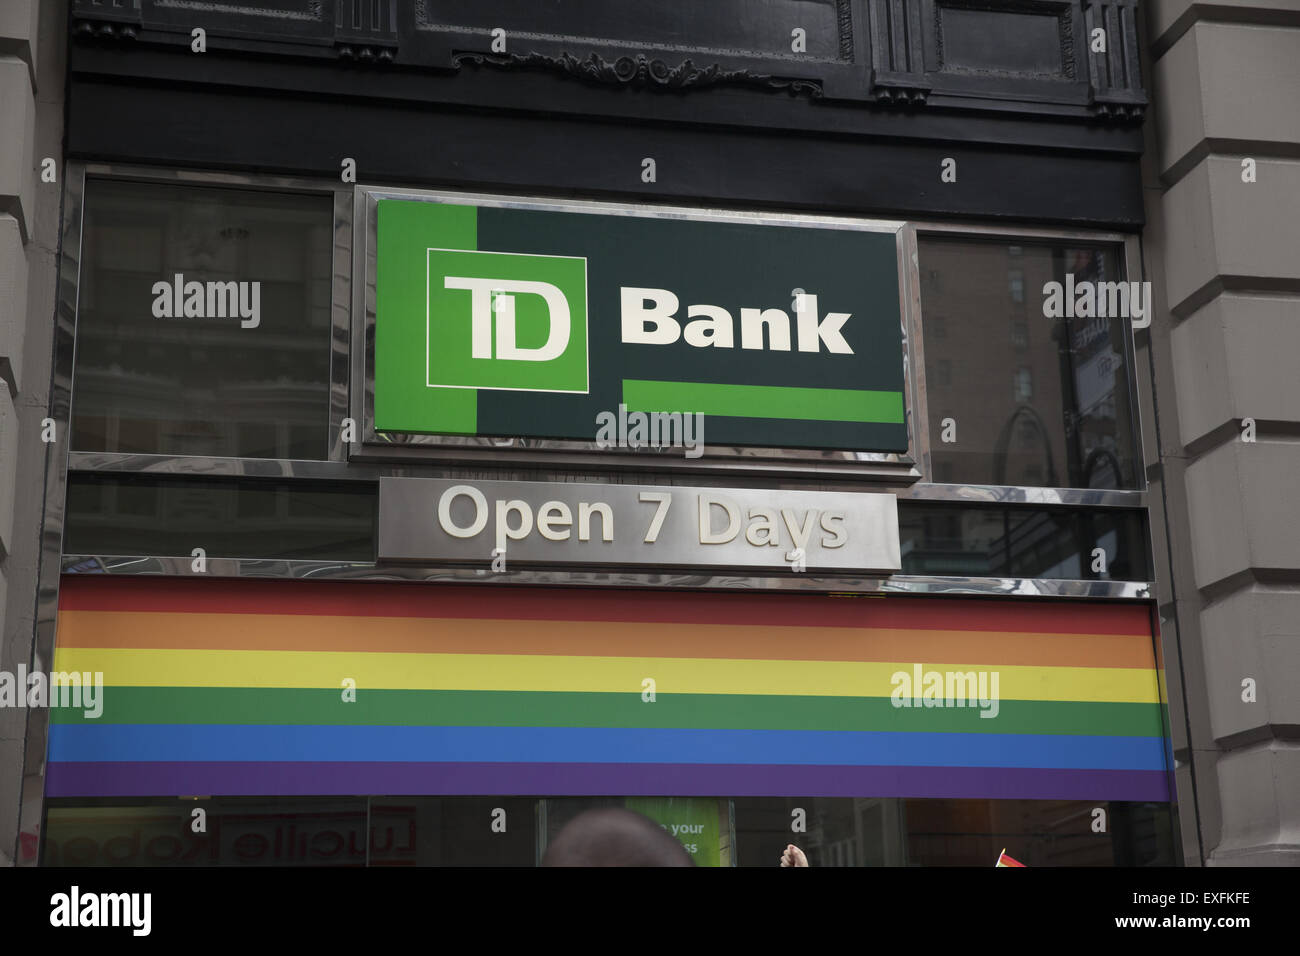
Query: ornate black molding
(844, 18)
(102, 20)
(366, 32)
(639, 71)
(1115, 77)
(1016, 57)
(1063, 14)
(891, 94)
(1120, 112)
(898, 75)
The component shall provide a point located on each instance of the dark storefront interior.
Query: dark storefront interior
(458, 831)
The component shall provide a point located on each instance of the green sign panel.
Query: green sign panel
(536, 323)
(692, 820)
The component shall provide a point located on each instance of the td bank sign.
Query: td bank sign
(530, 322)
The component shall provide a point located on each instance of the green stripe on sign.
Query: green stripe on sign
(764, 401)
(460, 708)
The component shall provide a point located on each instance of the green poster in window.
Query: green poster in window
(692, 820)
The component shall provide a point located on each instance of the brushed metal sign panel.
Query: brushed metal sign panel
(654, 526)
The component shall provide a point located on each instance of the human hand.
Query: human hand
(793, 856)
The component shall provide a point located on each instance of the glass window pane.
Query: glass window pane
(1063, 377)
(228, 518)
(241, 831)
(458, 831)
(1022, 542)
(243, 369)
(894, 832)
(453, 831)
(292, 831)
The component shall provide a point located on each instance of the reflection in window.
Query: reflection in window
(1066, 374)
(233, 518)
(1020, 333)
(291, 831)
(205, 382)
(983, 541)
(1016, 284)
(892, 832)
(1024, 385)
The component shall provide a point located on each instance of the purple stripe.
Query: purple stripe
(125, 779)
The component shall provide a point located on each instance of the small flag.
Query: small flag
(1004, 860)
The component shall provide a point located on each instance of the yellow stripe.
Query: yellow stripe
(512, 672)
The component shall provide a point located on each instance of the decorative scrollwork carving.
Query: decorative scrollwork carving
(639, 71)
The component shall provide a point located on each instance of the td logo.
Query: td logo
(503, 320)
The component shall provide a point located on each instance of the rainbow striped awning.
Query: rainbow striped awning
(236, 687)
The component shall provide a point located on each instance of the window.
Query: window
(203, 322)
(868, 831)
(291, 831)
(982, 541)
(1016, 283)
(457, 831)
(111, 514)
(1024, 385)
(1070, 375)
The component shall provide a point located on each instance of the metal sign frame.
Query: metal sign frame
(523, 452)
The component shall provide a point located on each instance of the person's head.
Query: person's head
(615, 837)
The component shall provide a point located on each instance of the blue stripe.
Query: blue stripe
(281, 743)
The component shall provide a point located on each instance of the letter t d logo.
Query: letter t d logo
(489, 295)
(522, 326)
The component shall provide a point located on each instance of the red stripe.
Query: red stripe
(416, 599)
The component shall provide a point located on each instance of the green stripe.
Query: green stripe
(241, 705)
(764, 401)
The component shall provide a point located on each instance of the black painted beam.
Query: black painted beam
(413, 144)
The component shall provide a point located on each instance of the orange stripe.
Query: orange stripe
(297, 632)
(375, 599)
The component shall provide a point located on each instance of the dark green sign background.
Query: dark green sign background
(786, 398)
